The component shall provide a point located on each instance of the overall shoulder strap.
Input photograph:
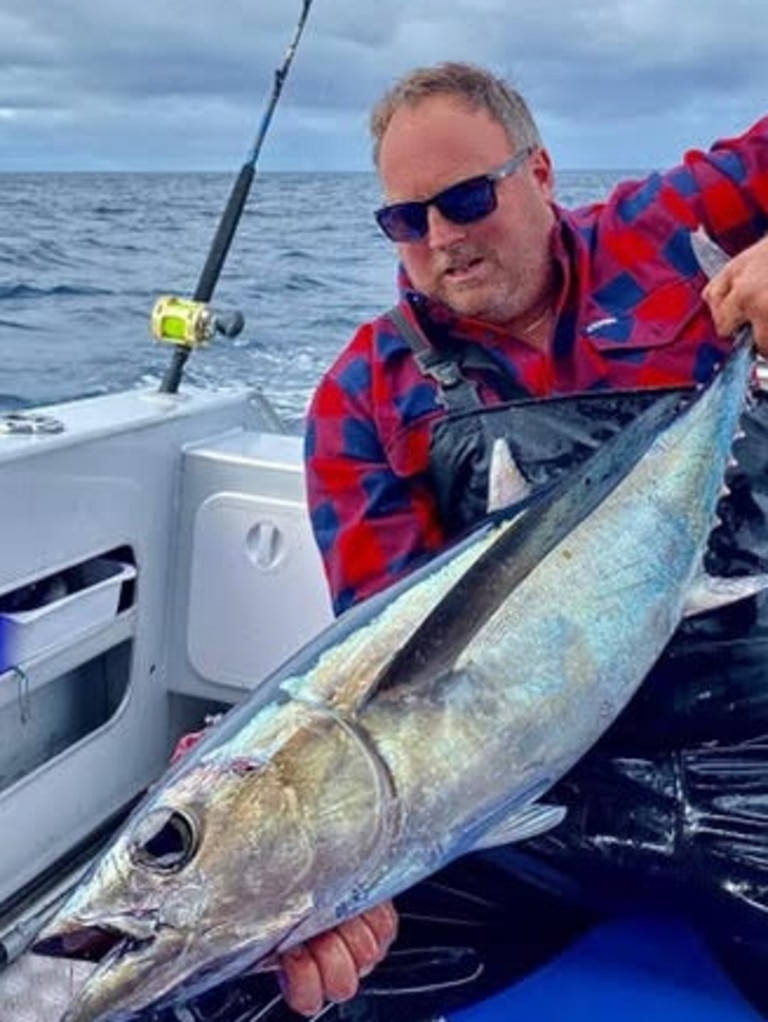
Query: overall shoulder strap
(457, 393)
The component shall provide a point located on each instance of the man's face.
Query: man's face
(497, 268)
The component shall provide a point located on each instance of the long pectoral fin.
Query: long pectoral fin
(521, 825)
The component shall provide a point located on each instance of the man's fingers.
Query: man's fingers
(718, 286)
(383, 921)
(335, 958)
(301, 981)
(329, 966)
(725, 304)
(761, 338)
(368, 936)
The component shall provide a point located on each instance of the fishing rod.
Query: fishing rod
(190, 323)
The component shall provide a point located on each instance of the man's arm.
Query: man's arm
(373, 512)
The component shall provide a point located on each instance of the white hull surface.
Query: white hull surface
(150, 556)
(36, 989)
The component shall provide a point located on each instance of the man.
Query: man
(504, 296)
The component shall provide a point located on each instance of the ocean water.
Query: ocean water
(84, 256)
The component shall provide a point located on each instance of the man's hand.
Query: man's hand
(738, 294)
(328, 967)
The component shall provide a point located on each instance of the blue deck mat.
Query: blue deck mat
(636, 969)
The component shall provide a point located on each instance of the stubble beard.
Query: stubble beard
(500, 299)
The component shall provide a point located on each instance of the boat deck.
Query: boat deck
(36, 989)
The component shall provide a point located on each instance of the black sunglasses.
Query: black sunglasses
(462, 203)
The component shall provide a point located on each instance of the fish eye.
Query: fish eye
(164, 841)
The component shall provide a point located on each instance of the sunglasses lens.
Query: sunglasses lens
(468, 200)
(462, 204)
(404, 221)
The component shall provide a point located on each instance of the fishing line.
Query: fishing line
(232, 214)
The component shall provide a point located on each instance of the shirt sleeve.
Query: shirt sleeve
(727, 186)
(371, 524)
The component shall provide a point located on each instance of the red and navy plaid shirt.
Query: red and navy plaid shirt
(630, 315)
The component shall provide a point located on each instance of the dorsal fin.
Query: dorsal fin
(519, 546)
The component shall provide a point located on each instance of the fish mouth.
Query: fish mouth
(90, 944)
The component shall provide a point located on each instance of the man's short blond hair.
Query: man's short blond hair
(475, 86)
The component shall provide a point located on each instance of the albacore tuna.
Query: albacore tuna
(428, 721)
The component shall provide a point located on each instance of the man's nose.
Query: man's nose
(441, 230)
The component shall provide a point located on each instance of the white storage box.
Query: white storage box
(88, 596)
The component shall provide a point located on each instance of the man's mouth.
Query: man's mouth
(464, 269)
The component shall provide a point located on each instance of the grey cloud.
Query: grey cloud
(105, 80)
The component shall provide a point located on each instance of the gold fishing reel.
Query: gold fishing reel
(191, 324)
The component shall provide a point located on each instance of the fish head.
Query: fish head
(209, 877)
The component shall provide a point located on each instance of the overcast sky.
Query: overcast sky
(183, 84)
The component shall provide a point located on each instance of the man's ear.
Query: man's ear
(543, 171)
